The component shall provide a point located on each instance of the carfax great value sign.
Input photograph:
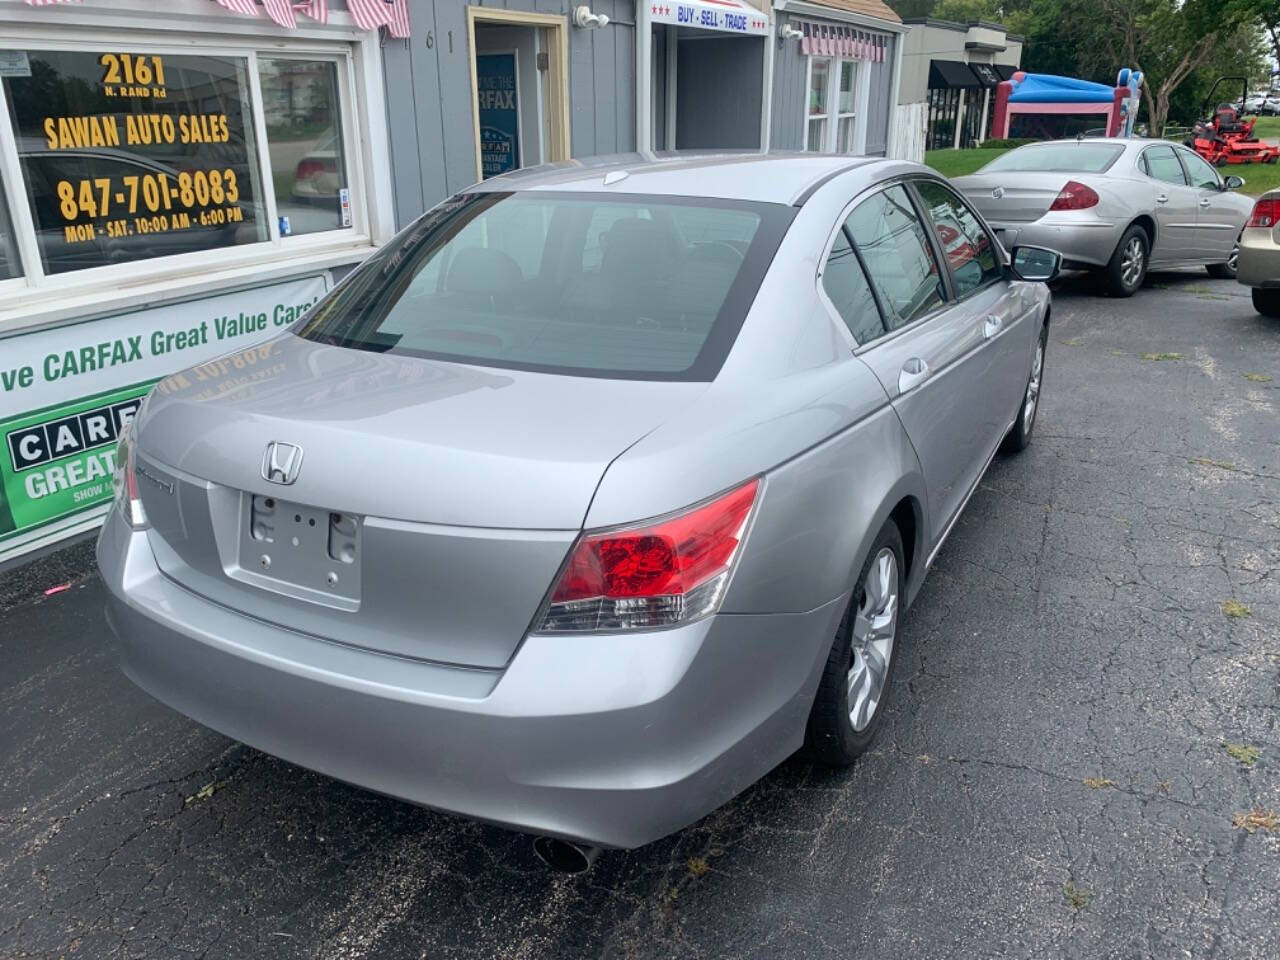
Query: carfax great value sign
(66, 393)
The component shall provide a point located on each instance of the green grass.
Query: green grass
(1258, 177)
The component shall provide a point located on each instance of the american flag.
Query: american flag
(317, 10)
(281, 11)
(247, 7)
(371, 14)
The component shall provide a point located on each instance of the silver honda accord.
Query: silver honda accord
(592, 496)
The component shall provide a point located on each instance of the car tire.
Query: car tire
(1226, 271)
(1124, 275)
(1019, 437)
(1266, 302)
(849, 707)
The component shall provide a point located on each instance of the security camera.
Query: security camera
(788, 32)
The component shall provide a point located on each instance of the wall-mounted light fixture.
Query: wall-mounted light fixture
(788, 32)
(584, 18)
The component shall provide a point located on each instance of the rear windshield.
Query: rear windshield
(1066, 157)
(596, 285)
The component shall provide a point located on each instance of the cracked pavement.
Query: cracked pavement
(1072, 630)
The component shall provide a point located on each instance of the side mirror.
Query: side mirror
(1233, 183)
(1035, 264)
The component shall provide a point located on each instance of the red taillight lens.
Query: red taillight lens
(1075, 196)
(125, 480)
(308, 168)
(1266, 213)
(659, 575)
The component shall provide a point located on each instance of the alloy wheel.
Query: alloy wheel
(1033, 388)
(1233, 261)
(1131, 262)
(875, 624)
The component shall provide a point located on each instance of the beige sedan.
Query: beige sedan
(1259, 265)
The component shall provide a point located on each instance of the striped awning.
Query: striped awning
(838, 40)
(368, 14)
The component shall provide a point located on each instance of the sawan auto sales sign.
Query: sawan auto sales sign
(65, 394)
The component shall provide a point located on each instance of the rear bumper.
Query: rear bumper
(1259, 258)
(1082, 243)
(614, 740)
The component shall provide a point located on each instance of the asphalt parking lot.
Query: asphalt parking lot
(1071, 746)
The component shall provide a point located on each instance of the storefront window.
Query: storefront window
(819, 79)
(10, 265)
(833, 106)
(129, 156)
(304, 143)
(845, 107)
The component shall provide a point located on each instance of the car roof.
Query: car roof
(768, 177)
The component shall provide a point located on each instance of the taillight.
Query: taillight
(124, 480)
(658, 575)
(309, 167)
(1266, 213)
(1075, 196)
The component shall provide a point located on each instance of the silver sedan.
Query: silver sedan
(1119, 207)
(591, 497)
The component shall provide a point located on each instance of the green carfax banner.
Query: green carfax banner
(59, 461)
(66, 393)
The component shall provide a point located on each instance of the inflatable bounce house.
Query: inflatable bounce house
(1042, 105)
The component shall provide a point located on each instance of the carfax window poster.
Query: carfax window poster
(499, 113)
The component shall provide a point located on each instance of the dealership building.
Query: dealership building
(180, 181)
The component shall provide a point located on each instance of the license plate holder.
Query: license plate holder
(300, 551)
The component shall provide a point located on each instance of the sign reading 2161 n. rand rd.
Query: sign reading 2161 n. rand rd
(66, 393)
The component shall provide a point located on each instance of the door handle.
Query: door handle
(914, 371)
(1163, 198)
(991, 326)
(1204, 202)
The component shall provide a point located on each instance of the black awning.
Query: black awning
(1006, 70)
(986, 74)
(951, 75)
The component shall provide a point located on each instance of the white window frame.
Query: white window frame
(861, 103)
(37, 299)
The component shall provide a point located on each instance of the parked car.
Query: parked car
(1263, 103)
(590, 497)
(1119, 207)
(1260, 254)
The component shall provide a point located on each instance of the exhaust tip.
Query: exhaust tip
(564, 856)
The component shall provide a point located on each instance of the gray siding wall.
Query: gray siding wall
(790, 70)
(428, 84)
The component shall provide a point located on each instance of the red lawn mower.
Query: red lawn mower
(1227, 136)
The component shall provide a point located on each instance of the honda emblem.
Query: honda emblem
(281, 462)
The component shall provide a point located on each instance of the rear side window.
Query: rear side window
(847, 288)
(631, 287)
(1068, 156)
(969, 250)
(1160, 163)
(895, 248)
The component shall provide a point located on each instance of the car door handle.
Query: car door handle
(991, 326)
(1163, 198)
(914, 371)
(1204, 202)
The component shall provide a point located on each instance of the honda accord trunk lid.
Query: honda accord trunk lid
(426, 506)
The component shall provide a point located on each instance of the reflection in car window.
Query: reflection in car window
(894, 247)
(846, 286)
(1066, 156)
(10, 265)
(1202, 175)
(969, 250)
(1161, 164)
(656, 290)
